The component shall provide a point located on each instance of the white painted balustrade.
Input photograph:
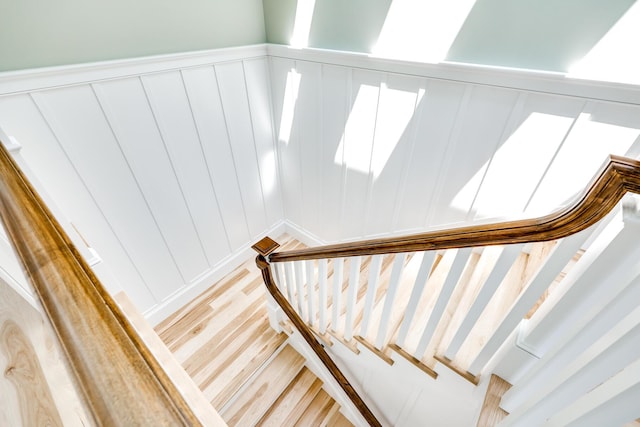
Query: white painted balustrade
(584, 330)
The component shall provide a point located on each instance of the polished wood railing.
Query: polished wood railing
(121, 381)
(264, 248)
(618, 176)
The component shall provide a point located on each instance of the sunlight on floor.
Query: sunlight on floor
(421, 30)
(289, 106)
(616, 57)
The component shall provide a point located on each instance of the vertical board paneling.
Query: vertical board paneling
(484, 121)
(125, 105)
(257, 81)
(336, 105)
(21, 118)
(435, 117)
(284, 85)
(392, 144)
(539, 127)
(77, 120)
(592, 138)
(202, 89)
(308, 111)
(233, 93)
(169, 101)
(359, 133)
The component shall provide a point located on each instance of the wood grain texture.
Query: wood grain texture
(264, 391)
(618, 176)
(308, 336)
(293, 402)
(65, 392)
(107, 356)
(491, 413)
(23, 369)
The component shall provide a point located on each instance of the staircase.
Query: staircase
(548, 304)
(249, 373)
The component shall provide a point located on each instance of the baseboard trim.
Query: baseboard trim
(178, 299)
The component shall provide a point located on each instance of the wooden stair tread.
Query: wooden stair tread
(243, 363)
(264, 389)
(338, 420)
(293, 402)
(491, 413)
(317, 411)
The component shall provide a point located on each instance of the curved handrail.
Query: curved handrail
(618, 176)
(121, 381)
(308, 336)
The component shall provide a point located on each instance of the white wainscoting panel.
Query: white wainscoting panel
(170, 167)
(169, 171)
(391, 152)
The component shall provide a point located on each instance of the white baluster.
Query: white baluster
(300, 285)
(372, 286)
(394, 280)
(608, 266)
(338, 267)
(502, 266)
(322, 291)
(418, 288)
(560, 255)
(606, 357)
(288, 270)
(459, 262)
(311, 292)
(352, 293)
(613, 403)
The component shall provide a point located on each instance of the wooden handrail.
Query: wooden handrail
(120, 380)
(264, 247)
(618, 176)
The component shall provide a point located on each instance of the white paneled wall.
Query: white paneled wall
(366, 151)
(171, 167)
(168, 173)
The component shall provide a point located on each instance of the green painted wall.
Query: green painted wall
(37, 33)
(351, 25)
(546, 35)
(541, 34)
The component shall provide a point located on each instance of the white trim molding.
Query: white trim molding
(509, 78)
(14, 82)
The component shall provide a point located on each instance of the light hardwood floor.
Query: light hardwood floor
(247, 371)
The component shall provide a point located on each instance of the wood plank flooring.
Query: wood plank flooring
(250, 375)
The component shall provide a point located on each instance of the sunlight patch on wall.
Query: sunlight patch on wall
(395, 110)
(356, 143)
(268, 170)
(289, 106)
(376, 124)
(421, 30)
(616, 57)
(580, 157)
(302, 24)
(518, 165)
